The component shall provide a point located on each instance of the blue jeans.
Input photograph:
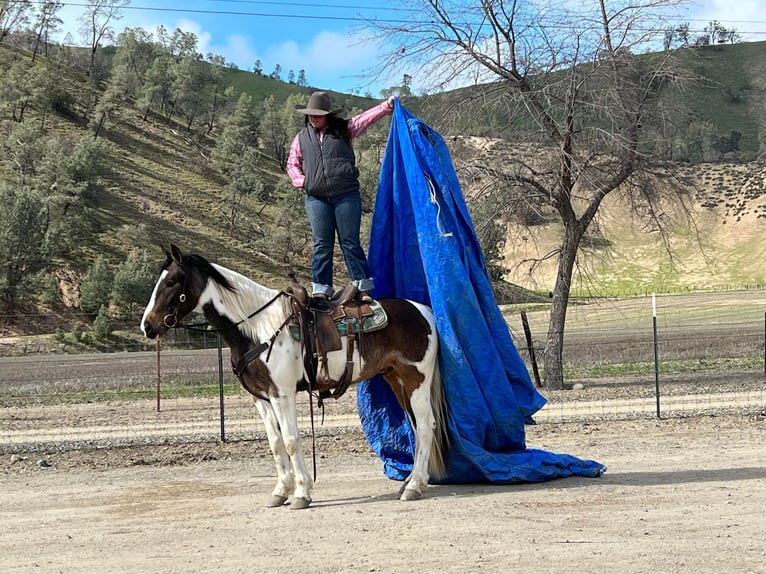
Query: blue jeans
(344, 215)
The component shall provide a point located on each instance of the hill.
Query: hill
(717, 237)
(722, 102)
(715, 245)
(160, 186)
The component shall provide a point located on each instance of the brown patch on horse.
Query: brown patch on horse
(408, 336)
(403, 381)
(256, 379)
(403, 378)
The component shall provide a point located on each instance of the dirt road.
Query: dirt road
(682, 495)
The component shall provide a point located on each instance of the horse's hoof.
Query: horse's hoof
(300, 503)
(276, 501)
(410, 495)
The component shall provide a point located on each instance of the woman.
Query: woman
(323, 164)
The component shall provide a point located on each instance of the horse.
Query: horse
(271, 363)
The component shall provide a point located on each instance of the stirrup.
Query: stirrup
(364, 297)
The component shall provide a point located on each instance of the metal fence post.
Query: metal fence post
(158, 375)
(531, 348)
(220, 388)
(656, 354)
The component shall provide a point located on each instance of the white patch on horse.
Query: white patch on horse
(246, 298)
(152, 300)
(420, 402)
(336, 361)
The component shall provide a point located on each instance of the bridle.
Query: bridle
(171, 319)
(171, 322)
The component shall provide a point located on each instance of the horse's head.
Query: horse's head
(175, 295)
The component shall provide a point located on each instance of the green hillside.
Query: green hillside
(729, 89)
(261, 87)
(724, 89)
(159, 185)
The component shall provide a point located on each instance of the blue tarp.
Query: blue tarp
(423, 247)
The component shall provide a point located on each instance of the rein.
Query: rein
(171, 319)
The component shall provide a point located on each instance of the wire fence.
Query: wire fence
(700, 361)
(674, 355)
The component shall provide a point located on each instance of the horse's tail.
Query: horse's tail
(437, 462)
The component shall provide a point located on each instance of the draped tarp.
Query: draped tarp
(423, 247)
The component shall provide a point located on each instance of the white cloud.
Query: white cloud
(746, 16)
(204, 38)
(329, 58)
(238, 49)
(335, 60)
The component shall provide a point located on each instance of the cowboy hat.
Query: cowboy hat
(319, 104)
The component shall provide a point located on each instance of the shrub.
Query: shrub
(102, 325)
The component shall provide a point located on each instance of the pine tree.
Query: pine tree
(97, 286)
(133, 283)
(102, 325)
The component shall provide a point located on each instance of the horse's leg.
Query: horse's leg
(424, 423)
(286, 412)
(285, 480)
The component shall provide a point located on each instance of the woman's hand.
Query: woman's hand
(390, 102)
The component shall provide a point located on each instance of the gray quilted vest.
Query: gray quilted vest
(329, 168)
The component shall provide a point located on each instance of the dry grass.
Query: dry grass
(719, 244)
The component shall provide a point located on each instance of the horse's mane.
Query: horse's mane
(241, 296)
(212, 271)
(203, 266)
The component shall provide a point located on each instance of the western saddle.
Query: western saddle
(320, 325)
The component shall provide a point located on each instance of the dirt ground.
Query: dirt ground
(680, 495)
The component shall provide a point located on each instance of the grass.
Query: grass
(696, 332)
(721, 254)
(84, 396)
(727, 97)
(603, 370)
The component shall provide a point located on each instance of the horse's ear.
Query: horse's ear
(176, 254)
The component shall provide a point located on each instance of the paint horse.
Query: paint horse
(271, 363)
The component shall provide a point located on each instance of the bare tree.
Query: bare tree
(566, 79)
(14, 16)
(96, 24)
(279, 124)
(47, 22)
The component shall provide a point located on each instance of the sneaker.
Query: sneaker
(364, 297)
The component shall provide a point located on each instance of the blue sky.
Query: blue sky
(324, 37)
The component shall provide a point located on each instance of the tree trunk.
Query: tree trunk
(554, 344)
(37, 45)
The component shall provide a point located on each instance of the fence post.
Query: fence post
(656, 354)
(531, 348)
(220, 388)
(158, 375)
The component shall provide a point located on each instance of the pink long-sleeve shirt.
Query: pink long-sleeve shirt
(356, 127)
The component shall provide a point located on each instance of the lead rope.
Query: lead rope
(304, 331)
(313, 436)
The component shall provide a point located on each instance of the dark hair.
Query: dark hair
(338, 126)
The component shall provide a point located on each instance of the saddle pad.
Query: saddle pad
(374, 322)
